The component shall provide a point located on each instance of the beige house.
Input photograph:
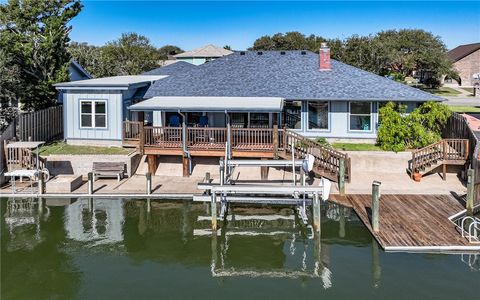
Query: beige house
(466, 60)
(203, 54)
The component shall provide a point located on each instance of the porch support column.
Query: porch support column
(185, 168)
(229, 135)
(152, 163)
(264, 171)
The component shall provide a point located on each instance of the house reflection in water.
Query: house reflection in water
(98, 221)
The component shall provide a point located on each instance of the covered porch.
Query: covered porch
(200, 139)
(205, 126)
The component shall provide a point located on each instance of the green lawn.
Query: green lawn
(468, 89)
(64, 148)
(356, 147)
(442, 91)
(465, 109)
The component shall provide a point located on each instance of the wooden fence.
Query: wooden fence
(457, 127)
(42, 125)
(6, 135)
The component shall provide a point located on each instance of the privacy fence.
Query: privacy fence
(457, 127)
(42, 125)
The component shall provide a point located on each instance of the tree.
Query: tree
(394, 53)
(169, 50)
(34, 35)
(9, 80)
(227, 47)
(131, 54)
(409, 50)
(90, 58)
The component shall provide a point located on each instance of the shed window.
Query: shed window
(361, 116)
(93, 114)
(318, 115)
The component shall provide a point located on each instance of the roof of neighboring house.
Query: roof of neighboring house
(172, 69)
(74, 64)
(205, 51)
(291, 75)
(115, 82)
(463, 50)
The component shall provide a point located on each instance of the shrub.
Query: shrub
(420, 128)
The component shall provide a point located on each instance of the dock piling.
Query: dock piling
(149, 205)
(222, 171)
(316, 213)
(470, 190)
(148, 175)
(90, 183)
(41, 183)
(375, 205)
(213, 208)
(341, 179)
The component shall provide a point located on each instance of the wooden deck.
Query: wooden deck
(238, 142)
(412, 222)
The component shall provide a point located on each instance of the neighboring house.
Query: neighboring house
(300, 90)
(77, 72)
(203, 54)
(466, 60)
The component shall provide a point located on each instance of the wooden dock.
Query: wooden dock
(412, 222)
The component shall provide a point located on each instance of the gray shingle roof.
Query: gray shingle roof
(172, 69)
(286, 74)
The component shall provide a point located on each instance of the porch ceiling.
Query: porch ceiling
(210, 104)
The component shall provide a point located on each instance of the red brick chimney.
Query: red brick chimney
(325, 58)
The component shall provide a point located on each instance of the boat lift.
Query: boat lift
(300, 195)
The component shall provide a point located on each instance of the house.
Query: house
(77, 72)
(466, 60)
(203, 54)
(246, 104)
(319, 97)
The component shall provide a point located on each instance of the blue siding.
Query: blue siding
(115, 111)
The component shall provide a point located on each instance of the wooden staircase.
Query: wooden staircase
(327, 160)
(443, 153)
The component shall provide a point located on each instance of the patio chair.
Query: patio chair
(174, 121)
(203, 121)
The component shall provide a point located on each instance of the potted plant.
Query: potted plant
(417, 176)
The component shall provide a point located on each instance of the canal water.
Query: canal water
(104, 249)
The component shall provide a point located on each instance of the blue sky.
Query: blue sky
(193, 24)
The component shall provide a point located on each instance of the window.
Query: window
(361, 116)
(292, 114)
(318, 115)
(93, 114)
(259, 120)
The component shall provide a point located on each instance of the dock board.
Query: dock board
(412, 222)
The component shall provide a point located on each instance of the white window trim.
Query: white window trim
(93, 113)
(328, 118)
(369, 115)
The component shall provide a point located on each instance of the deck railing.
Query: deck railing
(444, 151)
(131, 130)
(273, 140)
(326, 159)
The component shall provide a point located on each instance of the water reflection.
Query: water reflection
(96, 221)
(69, 249)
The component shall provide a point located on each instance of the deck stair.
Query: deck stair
(440, 154)
(327, 160)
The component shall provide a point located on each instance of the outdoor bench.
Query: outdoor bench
(108, 169)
